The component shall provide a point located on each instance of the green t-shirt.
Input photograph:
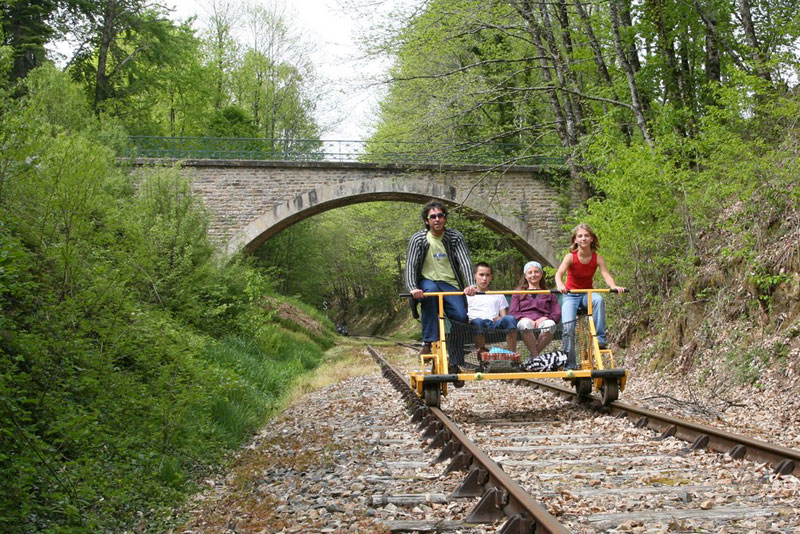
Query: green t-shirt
(437, 265)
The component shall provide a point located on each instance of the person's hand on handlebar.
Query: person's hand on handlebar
(417, 293)
(470, 290)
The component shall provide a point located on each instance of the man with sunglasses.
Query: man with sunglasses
(438, 260)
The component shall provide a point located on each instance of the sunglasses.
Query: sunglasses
(436, 216)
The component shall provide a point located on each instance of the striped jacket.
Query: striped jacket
(457, 253)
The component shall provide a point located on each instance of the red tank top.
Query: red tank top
(579, 276)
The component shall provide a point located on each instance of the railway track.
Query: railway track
(563, 465)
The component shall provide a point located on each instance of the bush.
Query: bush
(115, 393)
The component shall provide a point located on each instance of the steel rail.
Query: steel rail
(782, 460)
(499, 492)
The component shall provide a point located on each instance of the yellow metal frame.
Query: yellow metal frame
(589, 355)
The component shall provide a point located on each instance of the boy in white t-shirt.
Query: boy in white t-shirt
(488, 312)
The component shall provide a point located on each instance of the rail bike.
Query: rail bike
(572, 353)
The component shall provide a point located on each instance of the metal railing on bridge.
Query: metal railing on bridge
(309, 150)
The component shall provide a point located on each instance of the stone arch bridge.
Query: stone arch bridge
(252, 200)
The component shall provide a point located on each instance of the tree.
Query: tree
(27, 25)
(231, 121)
(473, 88)
(172, 95)
(274, 75)
(123, 41)
(642, 65)
(221, 47)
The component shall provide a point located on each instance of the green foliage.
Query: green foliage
(656, 205)
(231, 121)
(175, 225)
(486, 245)
(586, 77)
(114, 395)
(25, 28)
(5, 62)
(766, 283)
(362, 273)
(642, 216)
(359, 273)
(462, 80)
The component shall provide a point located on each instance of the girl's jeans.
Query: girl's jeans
(570, 304)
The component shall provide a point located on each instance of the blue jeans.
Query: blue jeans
(570, 304)
(506, 322)
(455, 307)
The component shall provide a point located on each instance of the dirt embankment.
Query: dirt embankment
(726, 346)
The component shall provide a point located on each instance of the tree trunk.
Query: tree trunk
(27, 28)
(632, 54)
(629, 74)
(710, 19)
(627, 22)
(563, 120)
(172, 114)
(103, 83)
(666, 47)
(578, 107)
(687, 89)
(713, 65)
(602, 69)
(752, 39)
(525, 10)
(600, 62)
(572, 111)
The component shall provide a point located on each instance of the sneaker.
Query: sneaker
(426, 349)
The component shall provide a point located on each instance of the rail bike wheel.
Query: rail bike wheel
(583, 387)
(432, 394)
(610, 391)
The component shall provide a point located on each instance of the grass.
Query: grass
(267, 386)
(347, 359)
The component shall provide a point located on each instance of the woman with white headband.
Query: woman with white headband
(537, 313)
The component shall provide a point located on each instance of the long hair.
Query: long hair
(523, 284)
(583, 226)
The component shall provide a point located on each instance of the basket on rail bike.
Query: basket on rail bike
(572, 353)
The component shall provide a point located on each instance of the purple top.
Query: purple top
(535, 306)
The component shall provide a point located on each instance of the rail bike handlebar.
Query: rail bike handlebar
(517, 292)
(626, 290)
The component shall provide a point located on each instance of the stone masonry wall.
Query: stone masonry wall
(238, 192)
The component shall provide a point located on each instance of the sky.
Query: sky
(351, 87)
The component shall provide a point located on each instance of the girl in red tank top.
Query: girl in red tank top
(579, 265)
(582, 262)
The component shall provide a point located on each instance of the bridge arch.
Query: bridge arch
(525, 236)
